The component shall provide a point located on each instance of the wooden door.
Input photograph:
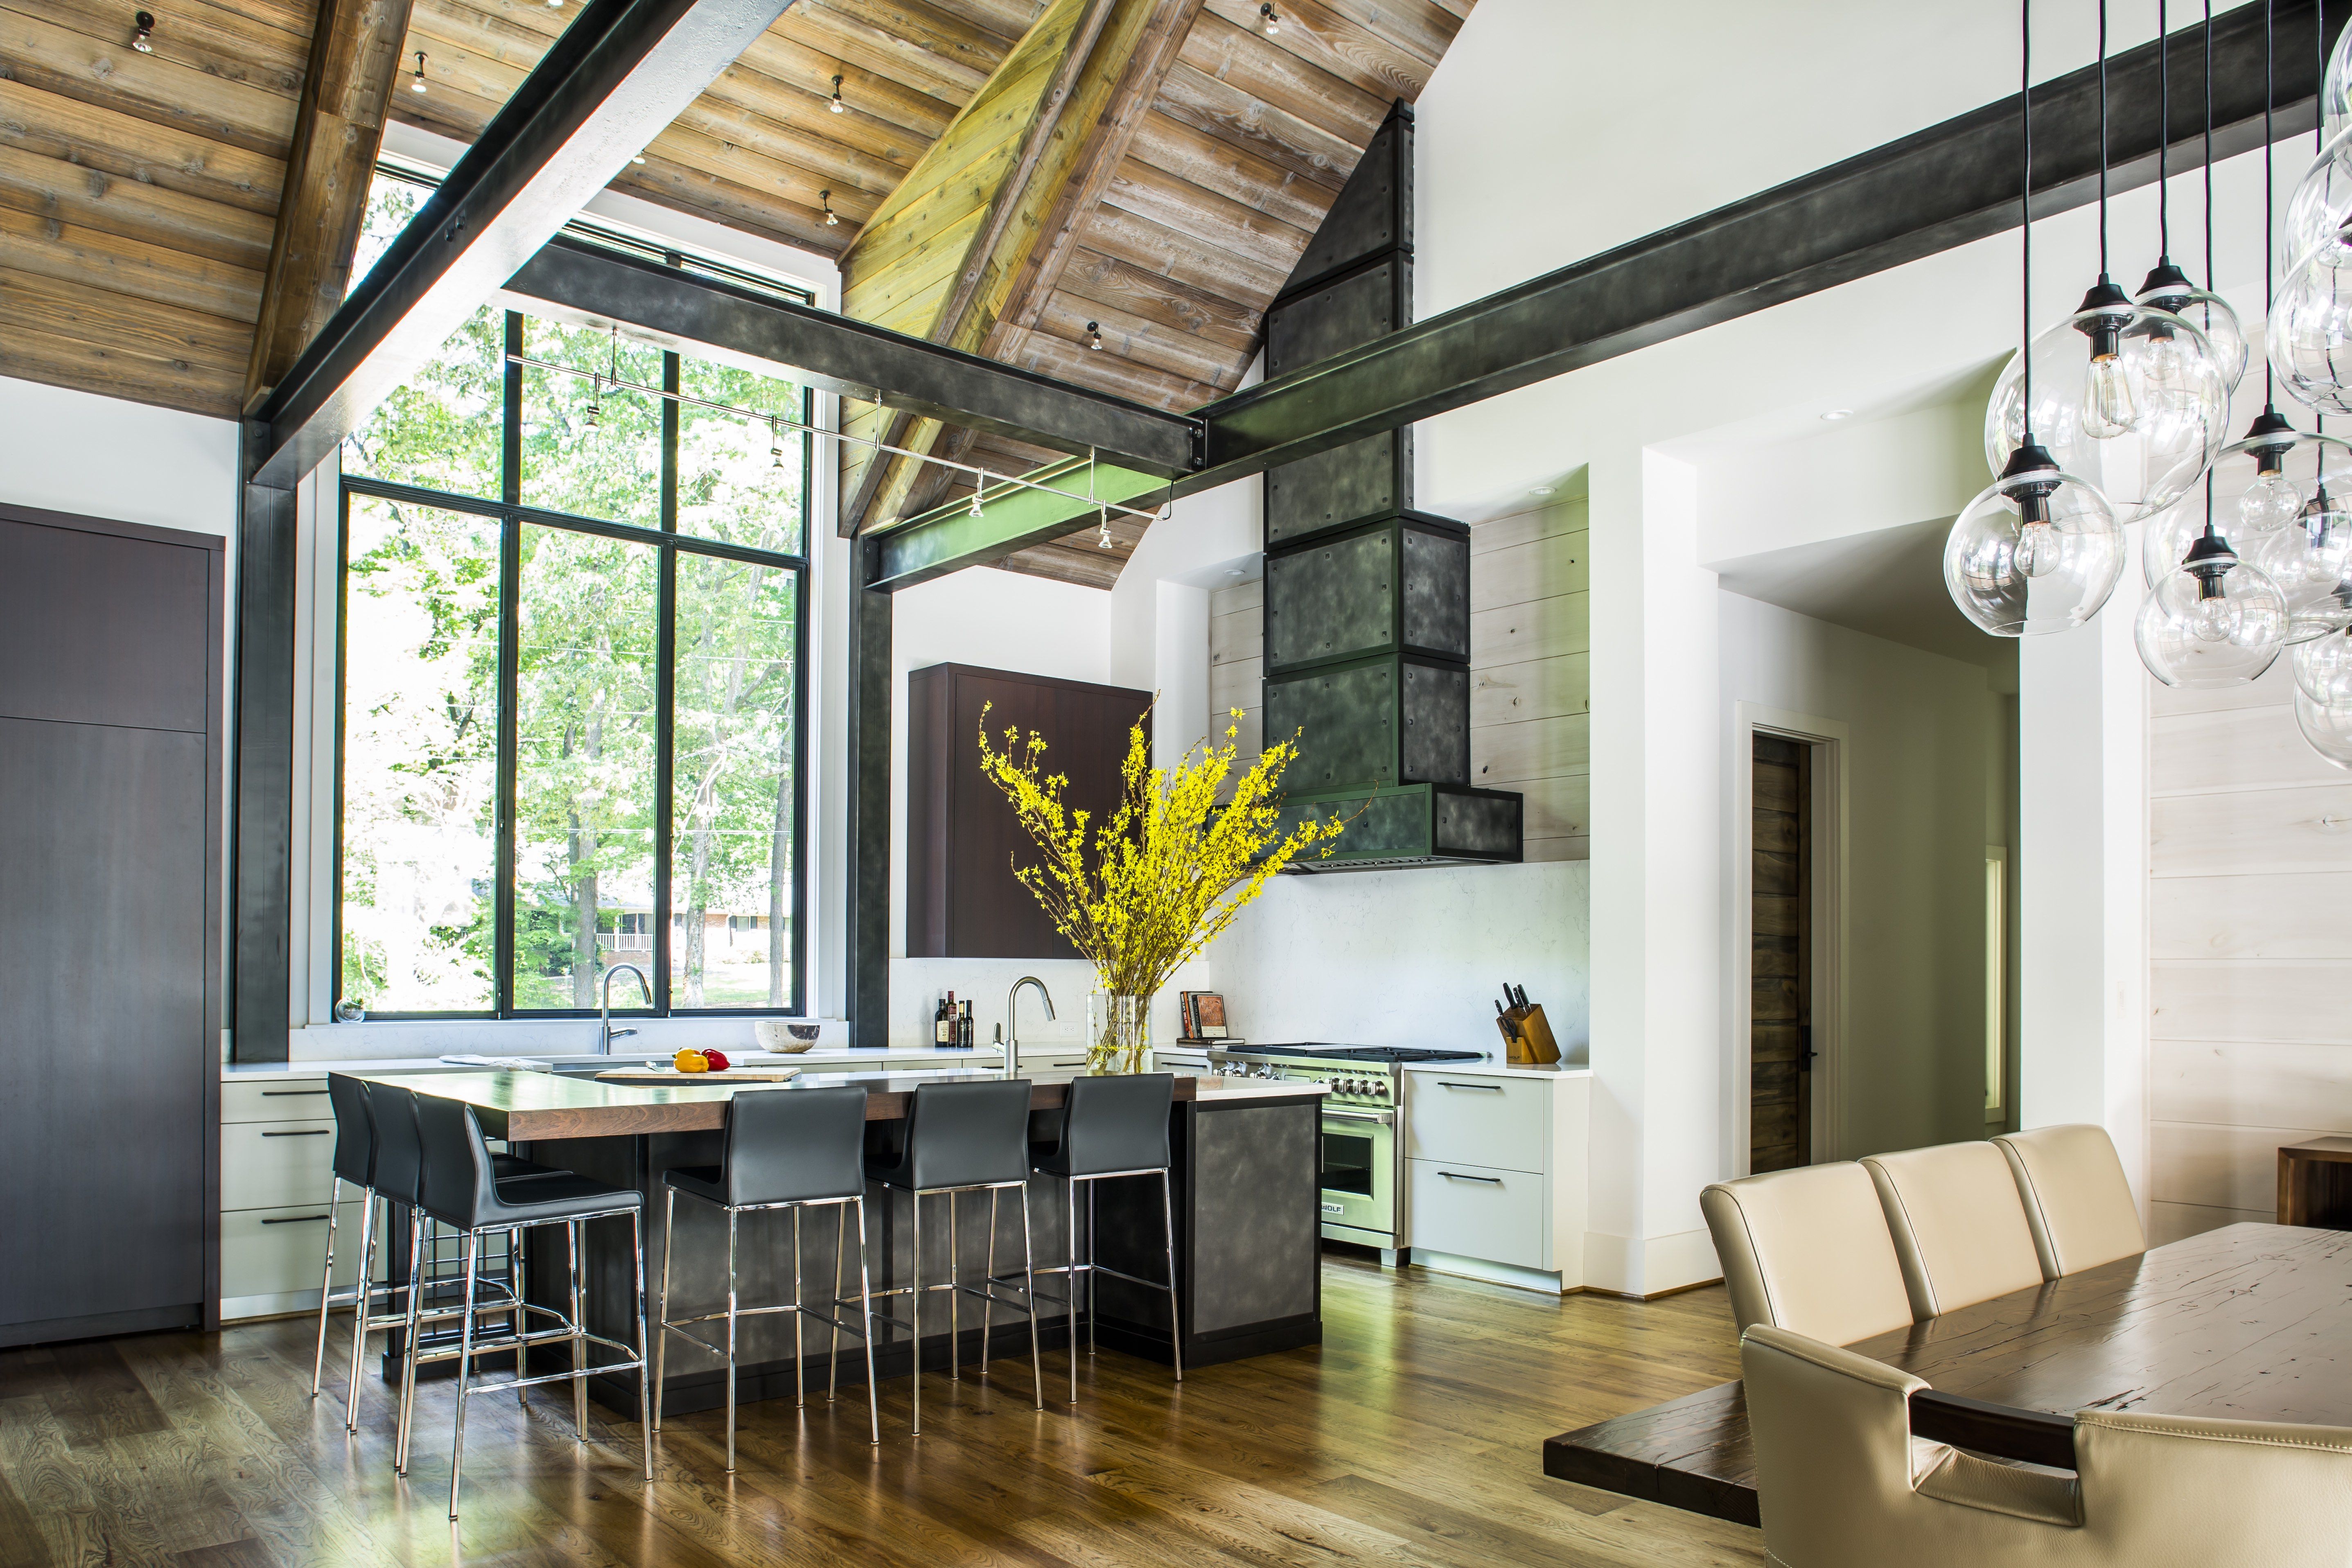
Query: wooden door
(1780, 957)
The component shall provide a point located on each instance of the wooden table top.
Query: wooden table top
(2249, 1322)
(523, 1107)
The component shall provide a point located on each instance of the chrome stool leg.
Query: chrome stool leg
(866, 1307)
(417, 1224)
(327, 1286)
(988, 1308)
(661, 1311)
(1175, 1314)
(645, 1388)
(1029, 1288)
(471, 1246)
(915, 1316)
(1070, 1279)
(955, 1293)
(800, 1373)
(730, 1341)
(571, 1239)
(833, 1345)
(362, 1311)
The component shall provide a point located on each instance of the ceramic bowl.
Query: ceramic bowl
(788, 1038)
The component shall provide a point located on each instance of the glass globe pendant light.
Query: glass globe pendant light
(2309, 330)
(2038, 550)
(2131, 398)
(2167, 288)
(2326, 726)
(2212, 621)
(2334, 85)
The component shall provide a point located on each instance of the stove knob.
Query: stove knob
(1381, 1088)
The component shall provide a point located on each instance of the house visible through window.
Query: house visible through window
(573, 675)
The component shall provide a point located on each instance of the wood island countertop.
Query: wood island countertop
(525, 1107)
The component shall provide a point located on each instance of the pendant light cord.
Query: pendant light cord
(2270, 68)
(2209, 212)
(2163, 137)
(2103, 137)
(2025, 192)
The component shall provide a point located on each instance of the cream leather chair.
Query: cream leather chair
(1957, 1223)
(1807, 1251)
(1843, 1484)
(2076, 1200)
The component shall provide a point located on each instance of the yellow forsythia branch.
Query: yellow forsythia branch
(1170, 869)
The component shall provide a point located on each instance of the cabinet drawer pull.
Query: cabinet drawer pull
(295, 1219)
(288, 1093)
(304, 1132)
(1458, 1176)
(1490, 1087)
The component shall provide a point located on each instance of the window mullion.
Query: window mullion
(665, 692)
(509, 672)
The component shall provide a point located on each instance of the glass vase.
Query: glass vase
(1118, 1032)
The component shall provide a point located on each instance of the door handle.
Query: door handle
(295, 1219)
(1379, 1117)
(1458, 1176)
(1805, 1052)
(1489, 1088)
(306, 1133)
(288, 1093)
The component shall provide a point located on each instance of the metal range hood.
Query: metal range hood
(1367, 600)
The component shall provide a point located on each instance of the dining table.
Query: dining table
(2248, 1322)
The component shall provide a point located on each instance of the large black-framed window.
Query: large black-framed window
(573, 685)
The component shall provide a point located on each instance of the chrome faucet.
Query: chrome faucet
(1012, 1020)
(607, 1033)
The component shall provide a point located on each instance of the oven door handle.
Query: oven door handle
(1381, 1118)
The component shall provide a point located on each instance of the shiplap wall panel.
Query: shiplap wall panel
(1530, 669)
(2250, 1083)
(2250, 941)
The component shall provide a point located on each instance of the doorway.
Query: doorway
(1780, 955)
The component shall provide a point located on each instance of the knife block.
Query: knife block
(1529, 1037)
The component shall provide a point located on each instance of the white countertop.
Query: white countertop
(827, 1056)
(1492, 1066)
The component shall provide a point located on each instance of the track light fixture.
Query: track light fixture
(1272, 22)
(837, 106)
(638, 158)
(775, 445)
(143, 32)
(1094, 335)
(831, 219)
(416, 82)
(979, 492)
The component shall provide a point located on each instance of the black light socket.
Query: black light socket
(2165, 287)
(2269, 439)
(2031, 462)
(2110, 309)
(2209, 560)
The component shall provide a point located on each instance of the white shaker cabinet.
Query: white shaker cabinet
(1495, 1173)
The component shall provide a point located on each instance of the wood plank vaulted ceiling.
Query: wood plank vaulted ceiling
(139, 191)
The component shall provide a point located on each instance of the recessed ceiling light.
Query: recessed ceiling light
(1836, 413)
(1235, 571)
(1540, 490)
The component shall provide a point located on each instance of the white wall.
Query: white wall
(998, 620)
(103, 457)
(1919, 734)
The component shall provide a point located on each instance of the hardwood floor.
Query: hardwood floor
(1413, 1435)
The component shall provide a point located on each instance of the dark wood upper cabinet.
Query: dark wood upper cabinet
(962, 899)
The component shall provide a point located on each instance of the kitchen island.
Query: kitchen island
(1245, 1185)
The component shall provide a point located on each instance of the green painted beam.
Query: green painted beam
(949, 538)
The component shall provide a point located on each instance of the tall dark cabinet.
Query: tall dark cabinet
(962, 899)
(110, 926)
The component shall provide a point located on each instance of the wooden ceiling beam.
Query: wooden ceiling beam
(354, 64)
(1108, 78)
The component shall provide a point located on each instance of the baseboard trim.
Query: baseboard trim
(1653, 1296)
(102, 1325)
(1542, 1281)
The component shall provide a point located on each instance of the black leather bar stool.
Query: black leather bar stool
(1111, 1127)
(460, 1189)
(785, 1149)
(969, 1137)
(354, 1165)
(394, 1161)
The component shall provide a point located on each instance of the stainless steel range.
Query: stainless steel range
(1363, 1118)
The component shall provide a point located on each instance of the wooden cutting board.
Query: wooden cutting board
(671, 1075)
